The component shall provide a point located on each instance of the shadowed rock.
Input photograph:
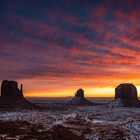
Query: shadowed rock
(79, 99)
(126, 92)
(10, 88)
(80, 93)
(12, 97)
(127, 96)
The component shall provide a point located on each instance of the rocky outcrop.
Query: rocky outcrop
(125, 96)
(79, 99)
(80, 93)
(12, 97)
(10, 88)
(126, 92)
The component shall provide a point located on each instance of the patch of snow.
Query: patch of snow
(126, 118)
(115, 103)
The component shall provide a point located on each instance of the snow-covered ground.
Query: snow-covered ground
(97, 121)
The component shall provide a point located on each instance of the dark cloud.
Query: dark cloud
(68, 38)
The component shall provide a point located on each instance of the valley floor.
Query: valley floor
(74, 123)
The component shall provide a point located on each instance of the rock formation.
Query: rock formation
(10, 88)
(126, 92)
(79, 99)
(80, 93)
(127, 95)
(12, 97)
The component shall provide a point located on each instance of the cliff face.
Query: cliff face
(128, 95)
(80, 93)
(12, 97)
(10, 88)
(126, 92)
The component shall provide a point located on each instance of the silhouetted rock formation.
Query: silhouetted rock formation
(12, 97)
(80, 93)
(10, 88)
(127, 96)
(126, 92)
(79, 99)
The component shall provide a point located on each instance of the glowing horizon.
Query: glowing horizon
(97, 92)
(58, 88)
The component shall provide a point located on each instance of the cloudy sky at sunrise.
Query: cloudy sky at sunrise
(55, 47)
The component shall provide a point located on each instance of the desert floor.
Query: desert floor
(62, 122)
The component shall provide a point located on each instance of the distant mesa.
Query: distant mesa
(12, 97)
(10, 89)
(126, 96)
(80, 93)
(79, 99)
(126, 92)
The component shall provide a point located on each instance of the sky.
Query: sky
(55, 47)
